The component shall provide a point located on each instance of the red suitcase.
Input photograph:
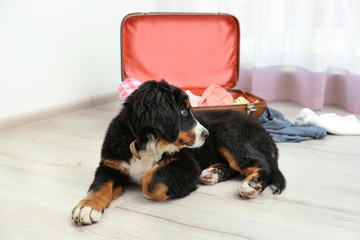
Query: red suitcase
(191, 51)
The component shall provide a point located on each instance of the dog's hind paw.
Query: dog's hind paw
(209, 176)
(249, 189)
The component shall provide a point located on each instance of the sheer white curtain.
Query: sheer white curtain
(307, 51)
(313, 34)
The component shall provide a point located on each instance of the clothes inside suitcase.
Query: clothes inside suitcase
(190, 51)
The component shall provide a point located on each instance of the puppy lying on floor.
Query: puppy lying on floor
(157, 142)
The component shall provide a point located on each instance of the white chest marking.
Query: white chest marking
(139, 168)
(149, 158)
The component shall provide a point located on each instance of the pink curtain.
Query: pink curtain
(310, 89)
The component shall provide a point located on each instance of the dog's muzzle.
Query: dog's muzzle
(201, 134)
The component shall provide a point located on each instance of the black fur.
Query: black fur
(159, 115)
(245, 138)
(146, 113)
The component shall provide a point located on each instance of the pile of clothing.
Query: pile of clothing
(213, 95)
(308, 125)
(216, 95)
(333, 123)
(282, 130)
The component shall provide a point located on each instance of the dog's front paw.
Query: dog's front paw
(210, 176)
(84, 215)
(249, 189)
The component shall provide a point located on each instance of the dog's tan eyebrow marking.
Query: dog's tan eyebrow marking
(187, 103)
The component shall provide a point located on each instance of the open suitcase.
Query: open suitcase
(190, 51)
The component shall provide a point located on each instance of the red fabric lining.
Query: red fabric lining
(189, 51)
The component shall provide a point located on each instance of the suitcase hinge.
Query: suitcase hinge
(251, 109)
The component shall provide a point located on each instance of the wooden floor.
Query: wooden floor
(46, 168)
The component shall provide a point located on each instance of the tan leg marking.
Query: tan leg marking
(117, 165)
(117, 192)
(250, 187)
(230, 159)
(101, 199)
(155, 191)
(90, 209)
(219, 165)
(234, 164)
(168, 161)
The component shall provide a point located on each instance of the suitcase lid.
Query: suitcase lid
(190, 51)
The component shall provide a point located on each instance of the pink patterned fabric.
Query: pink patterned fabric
(215, 95)
(310, 89)
(127, 87)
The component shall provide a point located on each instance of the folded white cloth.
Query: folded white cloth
(335, 124)
(194, 99)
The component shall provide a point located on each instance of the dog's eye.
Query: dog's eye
(184, 112)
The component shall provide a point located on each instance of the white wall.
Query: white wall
(55, 52)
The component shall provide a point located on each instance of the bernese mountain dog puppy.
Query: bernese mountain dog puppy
(158, 142)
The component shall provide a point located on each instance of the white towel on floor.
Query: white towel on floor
(335, 124)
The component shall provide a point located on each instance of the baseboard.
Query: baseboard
(50, 112)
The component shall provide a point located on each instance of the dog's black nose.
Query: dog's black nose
(205, 133)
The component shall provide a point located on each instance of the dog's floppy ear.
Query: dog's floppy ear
(166, 124)
(152, 109)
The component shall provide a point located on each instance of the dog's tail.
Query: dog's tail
(278, 181)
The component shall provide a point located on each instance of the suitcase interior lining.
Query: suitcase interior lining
(189, 51)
